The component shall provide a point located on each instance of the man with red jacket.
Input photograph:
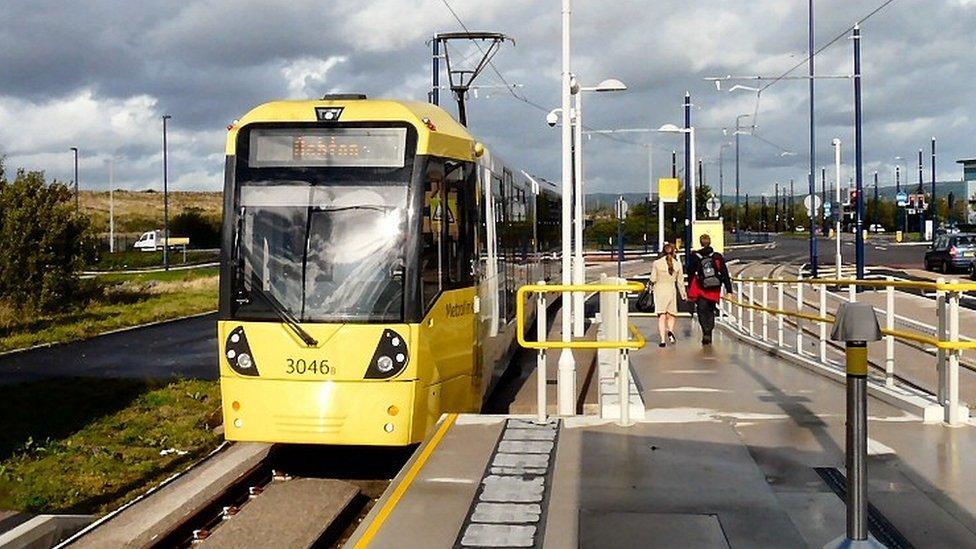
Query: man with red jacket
(708, 275)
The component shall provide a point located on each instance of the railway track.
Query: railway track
(289, 496)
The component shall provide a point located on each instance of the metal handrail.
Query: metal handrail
(917, 285)
(898, 334)
(637, 343)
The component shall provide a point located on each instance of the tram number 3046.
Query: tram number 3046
(302, 367)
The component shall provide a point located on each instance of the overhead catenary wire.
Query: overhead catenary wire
(840, 36)
(521, 97)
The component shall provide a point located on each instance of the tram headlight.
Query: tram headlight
(390, 357)
(384, 364)
(244, 361)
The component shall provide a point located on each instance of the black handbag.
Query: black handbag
(645, 301)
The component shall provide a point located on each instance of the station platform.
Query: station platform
(737, 448)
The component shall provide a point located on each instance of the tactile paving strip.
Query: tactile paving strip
(509, 508)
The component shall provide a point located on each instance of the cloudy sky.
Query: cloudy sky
(98, 75)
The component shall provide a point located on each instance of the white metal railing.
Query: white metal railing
(752, 295)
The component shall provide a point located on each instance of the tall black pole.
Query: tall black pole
(935, 203)
(920, 191)
(721, 180)
(897, 192)
(792, 215)
(876, 203)
(813, 152)
(688, 189)
(775, 208)
(165, 197)
(435, 72)
(823, 197)
(859, 208)
(75, 150)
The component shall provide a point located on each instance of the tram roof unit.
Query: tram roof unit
(446, 138)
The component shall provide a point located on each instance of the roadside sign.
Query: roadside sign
(667, 190)
(714, 206)
(826, 209)
(622, 208)
(812, 203)
(902, 199)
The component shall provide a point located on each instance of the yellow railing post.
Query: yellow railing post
(765, 314)
(752, 311)
(823, 325)
(542, 382)
(940, 334)
(799, 323)
(780, 290)
(627, 336)
(890, 339)
(952, 373)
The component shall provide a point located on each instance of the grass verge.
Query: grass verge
(89, 445)
(112, 302)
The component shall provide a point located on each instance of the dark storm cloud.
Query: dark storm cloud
(207, 62)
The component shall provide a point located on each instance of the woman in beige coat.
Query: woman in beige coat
(668, 280)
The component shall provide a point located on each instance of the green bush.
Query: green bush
(203, 231)
(43, 242)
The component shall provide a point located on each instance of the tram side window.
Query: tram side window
(430, 233)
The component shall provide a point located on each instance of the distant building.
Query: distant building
(968, 184)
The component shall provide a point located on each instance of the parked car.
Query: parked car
(876, 228)
(951, 251)
(152, 241)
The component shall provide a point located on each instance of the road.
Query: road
(877, 251)
(182, 348)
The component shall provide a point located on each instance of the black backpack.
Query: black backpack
(709, 273)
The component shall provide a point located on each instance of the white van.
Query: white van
(152, 241)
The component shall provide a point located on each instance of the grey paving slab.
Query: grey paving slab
(512, 489)
(622, 530)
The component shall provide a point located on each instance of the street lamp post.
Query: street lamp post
(165, 197)
(75, 150)
(111, 205)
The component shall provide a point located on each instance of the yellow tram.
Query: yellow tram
(371, 254)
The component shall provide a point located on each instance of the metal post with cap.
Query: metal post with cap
(856, 324)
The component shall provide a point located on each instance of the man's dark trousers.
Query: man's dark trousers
(706, 310)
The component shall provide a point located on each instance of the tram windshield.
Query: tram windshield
(326, 253)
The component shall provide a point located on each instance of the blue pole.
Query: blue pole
(859, 210)
(811, 182)
(688, 189)
(935, 203)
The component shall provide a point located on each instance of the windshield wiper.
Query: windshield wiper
(244, 293)
(285, 315)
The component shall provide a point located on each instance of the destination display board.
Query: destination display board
(327, 147)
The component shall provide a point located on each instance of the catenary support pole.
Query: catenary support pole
(858, 154)
(689, 189)
(566, 378)
(813, 149)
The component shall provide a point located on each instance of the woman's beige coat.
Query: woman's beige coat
(666, 286)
